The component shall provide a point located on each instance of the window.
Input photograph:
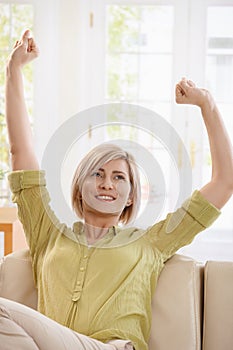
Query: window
(144, 43)
(14, 18)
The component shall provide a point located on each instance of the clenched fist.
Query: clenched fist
(25, 50)
(187, 93)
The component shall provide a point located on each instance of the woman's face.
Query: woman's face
(107, 190)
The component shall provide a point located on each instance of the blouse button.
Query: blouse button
(82, 269)
(76, 296)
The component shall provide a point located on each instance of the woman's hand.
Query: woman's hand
(187, 93)
(25, 50)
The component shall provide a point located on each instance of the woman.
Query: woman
(95, 281)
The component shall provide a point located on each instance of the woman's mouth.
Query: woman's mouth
(105, 198)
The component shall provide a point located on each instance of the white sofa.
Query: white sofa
(192, 305)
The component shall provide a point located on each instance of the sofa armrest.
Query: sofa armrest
(177, 306)
(218, 306)
(16, 279)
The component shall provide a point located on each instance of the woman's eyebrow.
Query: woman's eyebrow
(119, 172)
(114, 171)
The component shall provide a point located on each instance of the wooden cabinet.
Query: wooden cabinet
(8, 219)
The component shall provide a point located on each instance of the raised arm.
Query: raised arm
(19, 129)
(220, 188)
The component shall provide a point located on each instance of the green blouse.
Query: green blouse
(103, 291)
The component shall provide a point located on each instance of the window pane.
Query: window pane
(139, 53)
(155, 77)
(219, 77)
(219, 81)
(4, 25)
(122, 77)
(122, 28)
(220, 52)
(14, 19)
(156, 29)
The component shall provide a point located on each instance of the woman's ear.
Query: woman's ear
(129, 202)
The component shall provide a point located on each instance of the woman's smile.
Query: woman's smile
(105, 198)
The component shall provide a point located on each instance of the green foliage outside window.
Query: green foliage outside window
(122, 40)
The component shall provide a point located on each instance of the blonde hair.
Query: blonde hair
(96, 158)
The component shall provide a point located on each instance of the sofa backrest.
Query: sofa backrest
(176, 305)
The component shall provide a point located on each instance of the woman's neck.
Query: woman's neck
(93, 233)
(97, 228)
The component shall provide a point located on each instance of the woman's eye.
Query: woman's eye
(96, 174)
(119, 177)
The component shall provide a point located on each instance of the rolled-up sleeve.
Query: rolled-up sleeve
(180, 228)
(31, 196)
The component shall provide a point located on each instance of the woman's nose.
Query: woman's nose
(106, 183)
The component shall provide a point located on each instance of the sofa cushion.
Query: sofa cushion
(16, 281)
(177, 306)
